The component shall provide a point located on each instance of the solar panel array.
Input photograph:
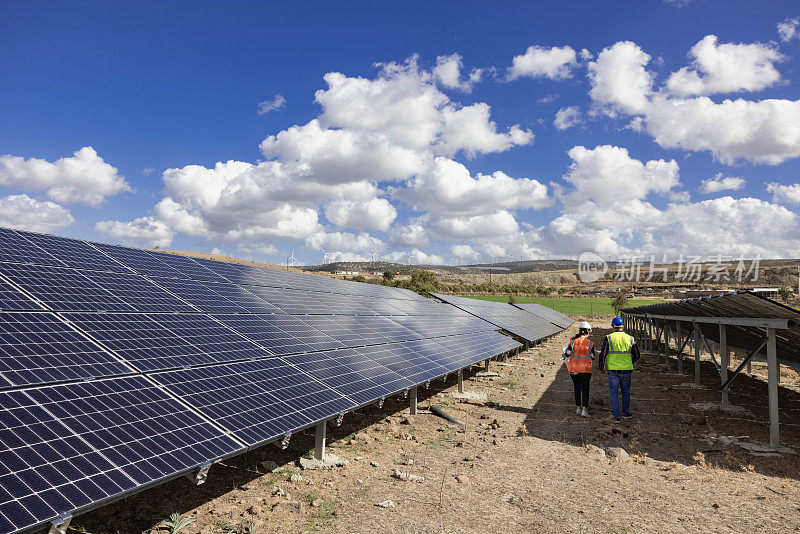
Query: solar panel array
(526, 323)
(557, 318)
(120, 368)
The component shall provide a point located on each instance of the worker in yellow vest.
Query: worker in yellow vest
(617, 356)
(578, 356)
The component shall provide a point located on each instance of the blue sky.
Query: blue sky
(393, 154)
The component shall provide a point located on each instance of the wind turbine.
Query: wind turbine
(291, 259)
(408, 261)
(325, 256)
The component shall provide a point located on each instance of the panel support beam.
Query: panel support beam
(486, 364)
(696, 330)
(200, 475)
(679, 344)
(60, 525)
(461, 381)
(723, 356)
(772, 388)
(761, 322)
(412, 401)
(320, 439)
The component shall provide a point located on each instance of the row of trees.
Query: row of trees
(424, 281)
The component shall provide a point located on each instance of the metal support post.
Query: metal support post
(486, 364)
(772, 388)
(724, 356)
(461, 381)
(696, 353)
(412, 401)
(60, 525)
(666, 342)
(200, 475)
(319, 440)
(679, 345)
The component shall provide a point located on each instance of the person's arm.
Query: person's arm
(634, 352)
(603, 353)
(591, 350)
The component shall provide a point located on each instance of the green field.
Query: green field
(574, 306)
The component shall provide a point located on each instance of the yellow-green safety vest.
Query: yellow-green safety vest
(619, 352)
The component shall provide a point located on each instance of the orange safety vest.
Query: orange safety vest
(580, 361)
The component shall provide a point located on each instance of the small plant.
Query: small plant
(323, 515)
(175, 522)
(247, 526)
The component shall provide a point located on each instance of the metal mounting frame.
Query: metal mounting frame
(60, 525)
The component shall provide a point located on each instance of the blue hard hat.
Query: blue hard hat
(617, 321)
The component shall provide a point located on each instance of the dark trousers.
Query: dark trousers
(581, 383)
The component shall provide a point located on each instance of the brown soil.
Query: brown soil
(532, 464)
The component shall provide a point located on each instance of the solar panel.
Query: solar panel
(12, 298)
(63, 289)
(39, 348)
(75, 253)
(139, 292)
(559, 319)
(67, 447)
(403, 360)
(213, 297)
(15, 248)
(188, 267)
(165, 341)
(468, 349)
(510, 318)
(348, 372)
(141, 261)
(293, 302)
(257, 401)
(280, 334)
(391, 330)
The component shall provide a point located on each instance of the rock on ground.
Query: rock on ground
(618, 452)
(385, 504)
(328, 462)
(407, 476)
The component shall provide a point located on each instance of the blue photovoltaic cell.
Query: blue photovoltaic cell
(213, 297)
(141, 261)
(280, 334)
(152, 342)
(336, 327)
(75, 253)
(405, 361)
(351, 374)
(188, 267)
(15, 248)
(549, 314)
(257, 401)
(39, 348)
(13, 299)
(139, 292)
(67, 447)
(62, 288)
(291, 301)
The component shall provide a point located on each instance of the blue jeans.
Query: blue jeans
(617, 381)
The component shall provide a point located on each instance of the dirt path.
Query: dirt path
(530, 464)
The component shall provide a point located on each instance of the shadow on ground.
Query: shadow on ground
(664, 426)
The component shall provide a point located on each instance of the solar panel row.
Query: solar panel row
(136, 366)
(528, 326)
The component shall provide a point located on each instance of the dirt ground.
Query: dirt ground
(525, 462)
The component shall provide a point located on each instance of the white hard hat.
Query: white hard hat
(585, 325)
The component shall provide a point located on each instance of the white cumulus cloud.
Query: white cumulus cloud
(25, 213)
(719, 183)
(83, 178)
(619, 79)
(140, 232)
(450, 189)
(373, 214)
(725, 68)
(784, 194)
(448, 73)
(555, 63)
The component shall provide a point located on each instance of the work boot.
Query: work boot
(584, 412)
(578, 410)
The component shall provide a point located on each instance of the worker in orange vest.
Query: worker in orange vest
(578, 356)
